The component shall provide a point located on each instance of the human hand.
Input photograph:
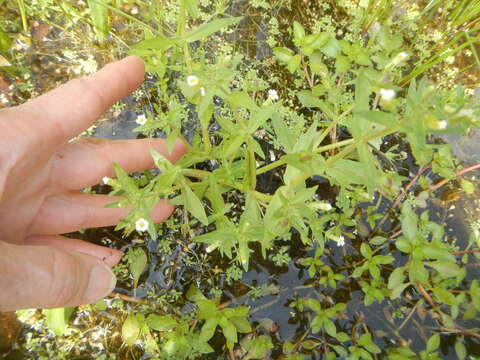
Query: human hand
(41, 176)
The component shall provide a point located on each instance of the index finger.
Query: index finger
(65, 112)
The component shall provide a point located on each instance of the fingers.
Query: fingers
(49, 277)
(63, 113)
(84, 163)
(109, 256)
(74, 211)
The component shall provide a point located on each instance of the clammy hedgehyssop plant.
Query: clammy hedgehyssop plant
(342, 113)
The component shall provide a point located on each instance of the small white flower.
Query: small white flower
(442, 125)
(106, 180)
(192, 80)
(450, 60)
(141, 120)
(341, 241)
(387, 94)
(202, 91)
(141, 225)
(3, 99)
(400, 58)
(324, 206)
(273, 95)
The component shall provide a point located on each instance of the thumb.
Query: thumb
(50, 277)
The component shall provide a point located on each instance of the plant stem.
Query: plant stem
(281, 161)
(457, 174)
(181, 19)
(474, 51)
(271, 166)
(426, 295)
(461, 252)
(401, 196)
(334, 145)
(461, 331)
(23, 14)
(307, 75)
(252, 174)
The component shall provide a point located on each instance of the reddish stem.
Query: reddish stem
(457, 174)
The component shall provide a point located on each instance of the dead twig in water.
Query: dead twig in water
(461, 331)
(426, 295)
(461, 252)
(305, 70)
(127, 298)
(299, 342)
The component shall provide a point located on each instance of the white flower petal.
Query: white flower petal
(141, 120)
(192, 80)
(387, 94)
(141, 225)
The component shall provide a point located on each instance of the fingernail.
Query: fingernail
(101, 283)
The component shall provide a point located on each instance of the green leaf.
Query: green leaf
(194, 294)
(260, 116)
(445, 269)
(242, 99)
(366, 251)
(210, 28)
(193, 204)
(161, 323)
(366, 341)
(475, 294)
(127, 183)
(57, 319)
(330, 328)
(343, 337)
(130, 330)
(433, 343)
(409, 221)
(206, 309)
(467, 186)
(397, 291)
(192, 8)
(316, 41)
(460, 349)
(233, 145)
(99, 16)
(229, 330)
(241, 324)
(342, 64)
(137, 263)
(159, 43)
(332, 48)
(380, 117)
(396, 278)
(444, 296)
(283, 54)
(5, 42)
(417, 272)
(208, 329)
(283, 133)
(294, 63)
(309, 100)
(298, 31)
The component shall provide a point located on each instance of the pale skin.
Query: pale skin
(42, 174)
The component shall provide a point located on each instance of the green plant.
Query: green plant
(346, 121)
